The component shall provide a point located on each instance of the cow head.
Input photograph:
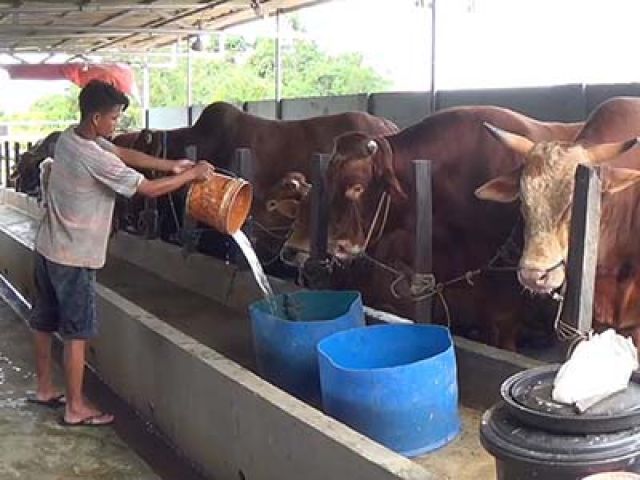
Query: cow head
(277, 211)
(544, 184)
(284, 198)
(360, 170)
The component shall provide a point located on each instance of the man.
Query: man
(86, 174)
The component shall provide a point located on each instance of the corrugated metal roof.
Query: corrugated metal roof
(85, 27)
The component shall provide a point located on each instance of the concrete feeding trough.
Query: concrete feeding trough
(176, 344)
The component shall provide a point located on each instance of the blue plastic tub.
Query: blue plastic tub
(394, 383)
(285, 343)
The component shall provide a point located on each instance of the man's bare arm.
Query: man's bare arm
(142, 161)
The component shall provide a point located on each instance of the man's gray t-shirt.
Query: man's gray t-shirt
(83, 182)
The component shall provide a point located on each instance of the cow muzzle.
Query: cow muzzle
(542, 281)
(346, 251)
(293, 257)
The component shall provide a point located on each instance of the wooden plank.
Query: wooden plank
(319, 227)
(7, 165)
(423, 261)
(583, 249)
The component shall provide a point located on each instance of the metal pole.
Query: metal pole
(433, 55)
(315, 269)
(423, 261)
(189, 92)
(145, 92)
(7, 162)
(319, 207)
(278, 57)
(583, 249)
(188, 234)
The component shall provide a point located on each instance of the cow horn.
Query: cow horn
(517, 143)
(372, 147)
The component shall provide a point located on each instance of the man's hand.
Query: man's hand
(202, 171)
(181, 165)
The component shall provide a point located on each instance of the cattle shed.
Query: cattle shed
(83, 27)
(176, 340)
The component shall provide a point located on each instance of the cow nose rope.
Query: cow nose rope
(548, 271)
(424, 285)
(383, 203)
(564, 331)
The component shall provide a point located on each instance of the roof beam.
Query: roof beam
(96, 30)
(93, 8)
(161, 23)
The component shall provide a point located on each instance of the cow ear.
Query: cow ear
(615, 180)
(503, 189)
(517, 143)
(604, 152)
(383, 169)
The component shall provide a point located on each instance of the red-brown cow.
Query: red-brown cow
(545, 185)
(467, 233)
(278, 146)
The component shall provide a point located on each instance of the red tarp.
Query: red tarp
(120, 76)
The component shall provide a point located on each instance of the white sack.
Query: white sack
(598, 368)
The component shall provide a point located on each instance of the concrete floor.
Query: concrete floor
(34, 445)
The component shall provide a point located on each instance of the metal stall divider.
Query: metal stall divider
(583, 255)
(424, 281)
(317, 268)
(189, 235)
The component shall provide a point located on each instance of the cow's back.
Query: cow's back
(279, 146)
(615, 120)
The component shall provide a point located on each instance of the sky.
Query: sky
(479, 43)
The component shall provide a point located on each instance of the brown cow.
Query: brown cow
(26, 176)
(467, 233)
(278, 146)
(545, 186)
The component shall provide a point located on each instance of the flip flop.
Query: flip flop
(91, 421)
(54, 402)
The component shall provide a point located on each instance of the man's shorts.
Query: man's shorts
(65, 299)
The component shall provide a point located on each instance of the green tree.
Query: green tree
(243, 71)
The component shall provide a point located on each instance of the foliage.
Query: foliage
(242, 71)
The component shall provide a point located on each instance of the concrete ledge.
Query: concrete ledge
(207, 276)
(231, 422)
(482, 369)
(223, 417)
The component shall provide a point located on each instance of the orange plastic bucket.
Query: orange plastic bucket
(221, 202)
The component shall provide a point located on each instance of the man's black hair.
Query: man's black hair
(100, 97)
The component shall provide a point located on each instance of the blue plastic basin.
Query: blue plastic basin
(394, 383)
(285, 342)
